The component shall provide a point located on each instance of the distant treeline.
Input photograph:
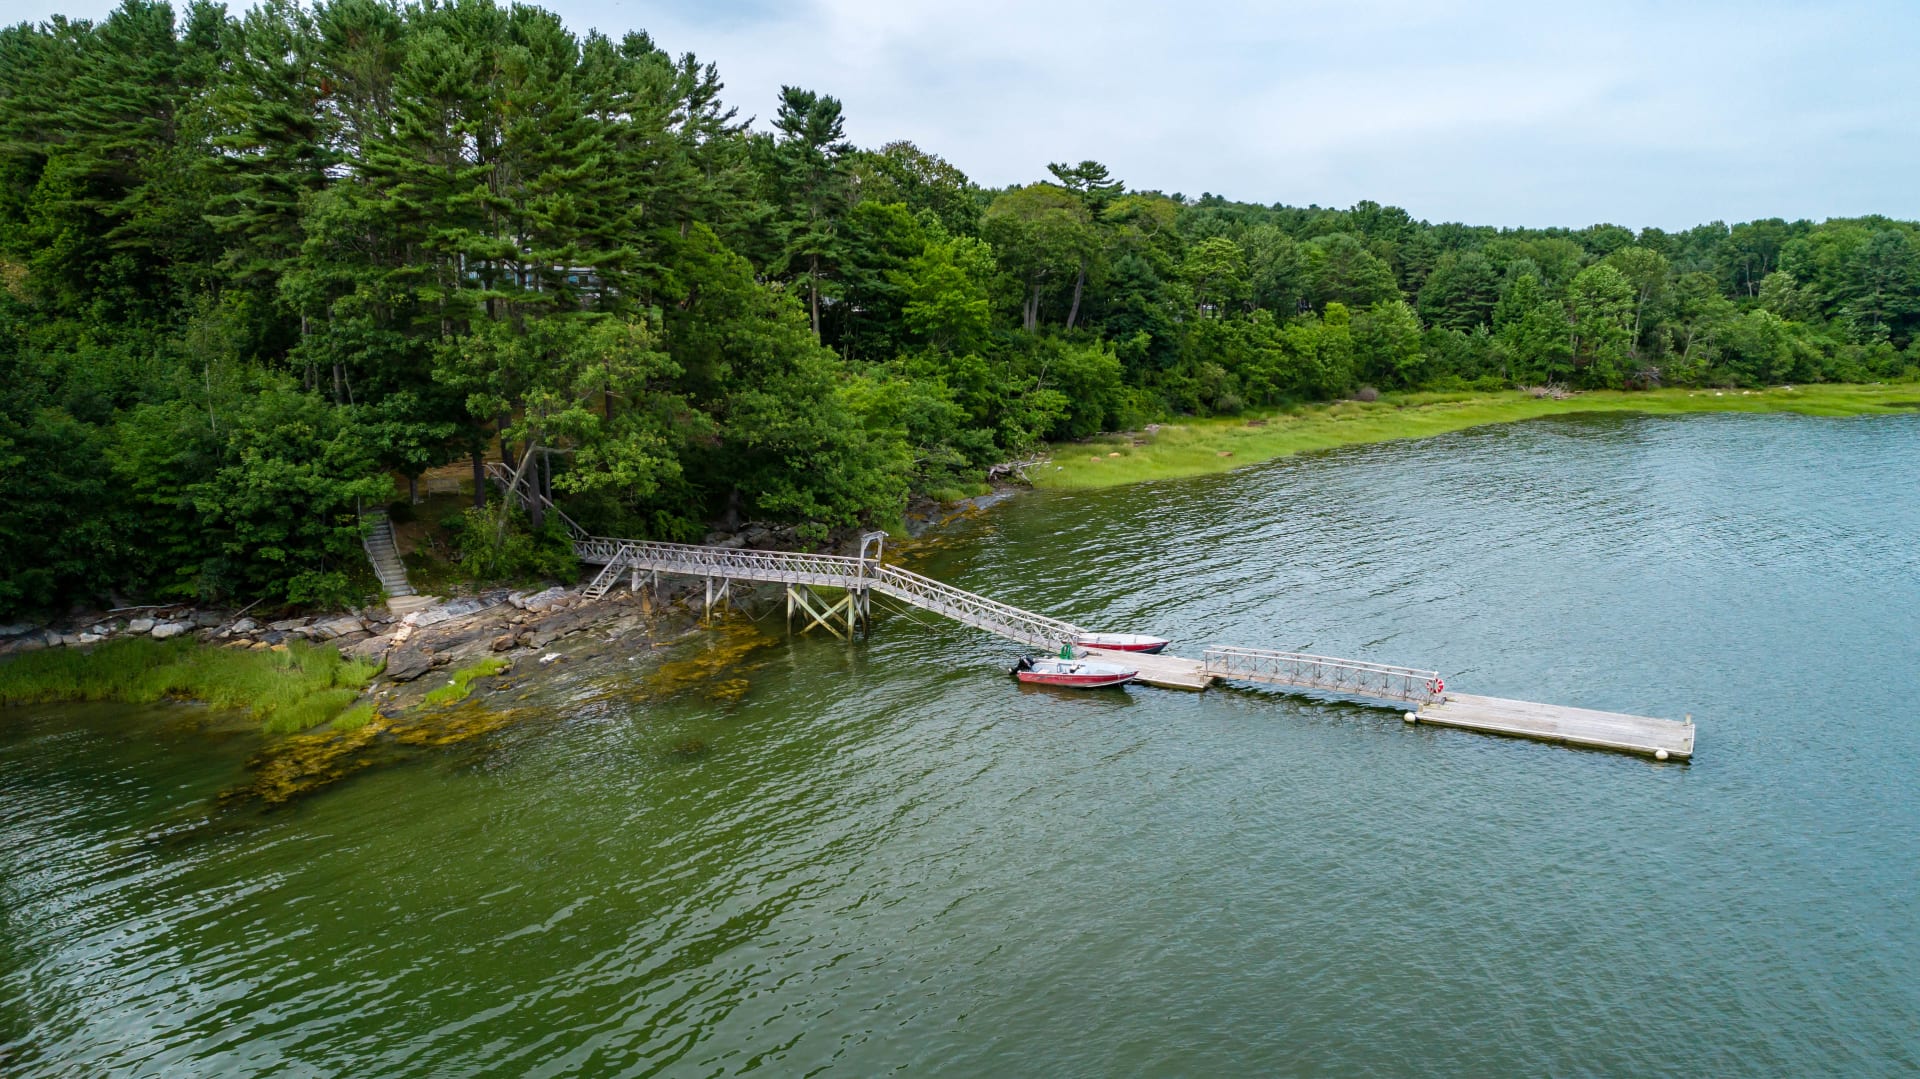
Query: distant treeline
(251, 266)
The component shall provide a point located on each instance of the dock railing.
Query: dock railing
(1380, 681)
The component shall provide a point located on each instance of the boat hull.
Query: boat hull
(1123, 642)
(1078, 673)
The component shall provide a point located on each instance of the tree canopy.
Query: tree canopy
(254, 268)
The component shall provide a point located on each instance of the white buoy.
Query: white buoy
(1411, 717)
(1659, 754)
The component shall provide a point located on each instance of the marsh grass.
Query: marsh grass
(286, 691)
(354, 718)
(1198, 447)
(461, 684)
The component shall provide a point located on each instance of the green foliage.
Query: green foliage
(290, 690)
(252, 266)
(461, 684)
(518, 552)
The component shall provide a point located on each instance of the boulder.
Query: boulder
(504, 642)
(208, 619)
(286, 624)
(441, 659)
(408, 664)
(337, 627)
(89, 638)
(16, 629)
(140, 625)
(245, 625)
(166, 630)
(543, 601)
(371, 648)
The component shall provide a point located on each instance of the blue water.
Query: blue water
(887, 858)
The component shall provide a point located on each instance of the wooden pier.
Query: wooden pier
(1419, 695)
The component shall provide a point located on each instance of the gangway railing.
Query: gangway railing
(973, 610)
(1302, 671)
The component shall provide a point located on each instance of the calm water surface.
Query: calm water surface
(889, 859)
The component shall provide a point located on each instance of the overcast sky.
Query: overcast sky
(1516, 113)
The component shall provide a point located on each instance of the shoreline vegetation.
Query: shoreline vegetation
(1198, 447)
(291, 687)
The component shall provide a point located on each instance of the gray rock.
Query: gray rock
(140, 625)
(465, 605)
(337, 627)
(245, 625)
(286, 624)
(89, 638)
(408, 664)
(542, 601)
(370, 648)
(432, 616)
(16, 629)
(208, 619)
(165, 630)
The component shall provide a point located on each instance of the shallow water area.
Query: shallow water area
(802, 856)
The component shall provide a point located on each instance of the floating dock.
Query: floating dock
(1662, 739)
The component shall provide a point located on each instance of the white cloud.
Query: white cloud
(1507, 112)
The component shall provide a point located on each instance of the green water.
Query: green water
(890, 859)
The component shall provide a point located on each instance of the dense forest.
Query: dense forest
(253, 268)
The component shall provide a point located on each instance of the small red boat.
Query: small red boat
(1122, 642)
(1083, 673)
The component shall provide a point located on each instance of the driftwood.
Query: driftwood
(1014, 470)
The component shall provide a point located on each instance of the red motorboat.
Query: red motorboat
(1081, 673)
(1122, 642)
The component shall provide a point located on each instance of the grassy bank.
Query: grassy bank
(301, 687)
(1197, 447)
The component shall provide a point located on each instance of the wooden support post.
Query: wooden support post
(825, 616)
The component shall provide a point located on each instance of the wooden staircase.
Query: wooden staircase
(384, 553)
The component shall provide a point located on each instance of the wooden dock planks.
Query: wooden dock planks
(1556, 723)
(1167, 672)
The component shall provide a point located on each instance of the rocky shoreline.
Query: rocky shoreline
(513, 624)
